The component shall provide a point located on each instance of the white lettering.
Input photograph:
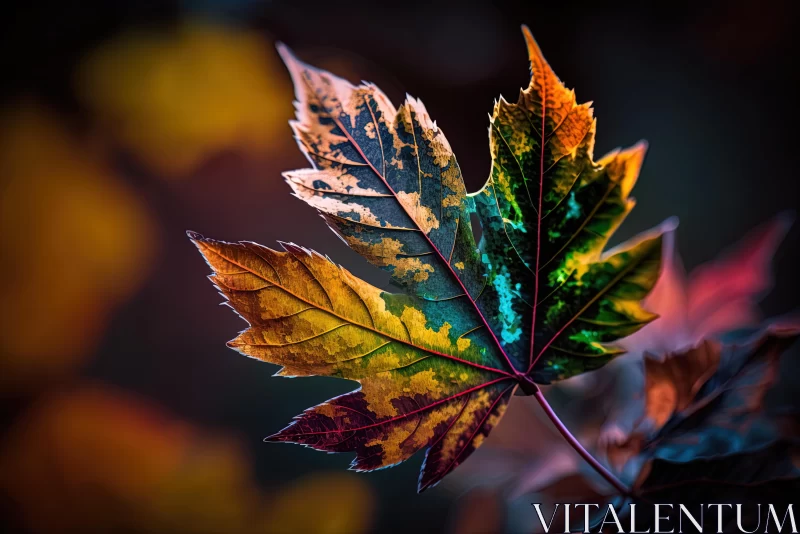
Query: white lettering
(719, 515)
(739, 519)
(774, 516)
(659, 518)
(538, 508)
(586, 524)
(683, 510)
(615, 519)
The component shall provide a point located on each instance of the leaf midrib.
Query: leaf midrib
(409, 343)
(624, 272)
(427, 238)
(407, 414)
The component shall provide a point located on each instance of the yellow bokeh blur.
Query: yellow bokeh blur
(78, 241)
(75, 242)
(175, 97)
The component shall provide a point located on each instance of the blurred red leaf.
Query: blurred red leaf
(718, 296)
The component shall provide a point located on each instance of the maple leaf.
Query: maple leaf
(718, 438)
(634, 394)
(717, 297)
(537, 300)
(714, 438)
(723, 413)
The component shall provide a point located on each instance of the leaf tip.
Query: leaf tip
(294, 248)
(294, 66)
(670, 224)
(427, 482)
(422, 486)
(285, 52)
(194, 236)
(641, 146)
(281, 436)
(534, 52)
(786, 217)
(781, 223)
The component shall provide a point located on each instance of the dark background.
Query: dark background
(709, 85)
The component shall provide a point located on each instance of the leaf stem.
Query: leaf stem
(573, 441)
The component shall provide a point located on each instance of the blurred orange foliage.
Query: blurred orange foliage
(92, 459)
(323, 503)
(176, 97)
(479, 511)
(75, 242)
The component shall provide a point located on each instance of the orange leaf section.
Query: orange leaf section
(421, 387)
(315, 318)
(670, 385)
(558, 101)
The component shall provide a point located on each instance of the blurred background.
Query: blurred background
(123, 124)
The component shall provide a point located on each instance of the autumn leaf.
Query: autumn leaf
(670, 385)
(634, 394)
(537, 300)
(717, 297)
(721, 441)
(712, 437)
(727, 414)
